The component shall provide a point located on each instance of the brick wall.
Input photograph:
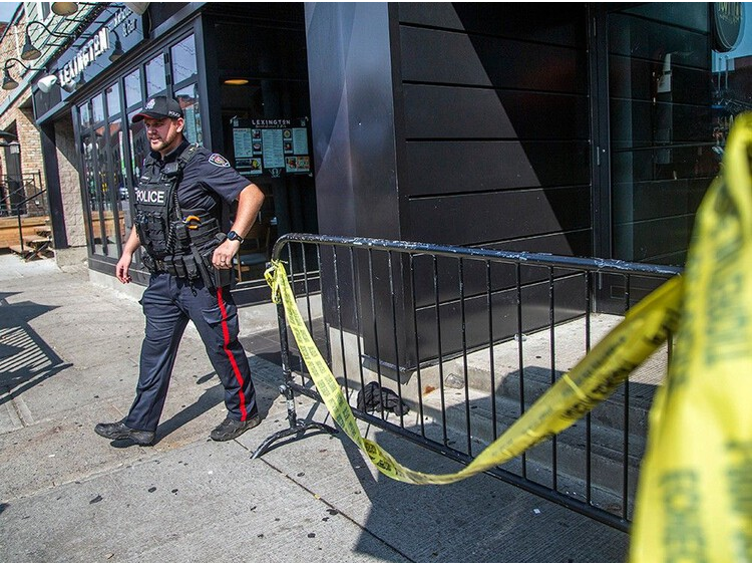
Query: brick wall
(75, 226)
(20, 121)
(18, 117)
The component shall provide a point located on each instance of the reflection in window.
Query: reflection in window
(97, 109)
(113, 100)
(84, 116)
(105, 184)
(732, 68)
(88, 150)
(133, 88)
(120, 220)
(188, 98)
(139, 146)
(184, 59)
(155, 76)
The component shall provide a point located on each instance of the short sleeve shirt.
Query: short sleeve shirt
(208, 179)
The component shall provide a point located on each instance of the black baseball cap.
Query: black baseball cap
(159, 107)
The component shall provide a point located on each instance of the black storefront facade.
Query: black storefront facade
(573, 129)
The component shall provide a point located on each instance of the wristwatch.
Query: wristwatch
(232, 235)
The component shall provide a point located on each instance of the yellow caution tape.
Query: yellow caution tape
(591, 381)
(694, 501)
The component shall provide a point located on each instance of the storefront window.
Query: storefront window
(102, 155)
(678, 73)
(97, 109)
(155, 76)
(113, 100)
(133, 88)
(184, 60)
(120, 191)
(188, 98)
(139, 145)
(114, 148)
(105, 184)
(84, 116)
(88, 151)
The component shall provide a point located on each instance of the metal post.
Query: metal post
(297, 428)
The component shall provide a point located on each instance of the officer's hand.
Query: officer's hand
(224, 253)
(122, 268)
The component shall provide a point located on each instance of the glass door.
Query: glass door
(661, 127)
(667, 80)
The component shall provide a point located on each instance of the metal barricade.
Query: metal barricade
(468, 339)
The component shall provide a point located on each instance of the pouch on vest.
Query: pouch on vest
(191, 268)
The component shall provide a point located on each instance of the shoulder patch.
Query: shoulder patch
(219, 160)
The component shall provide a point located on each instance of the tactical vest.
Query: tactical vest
(178, 241)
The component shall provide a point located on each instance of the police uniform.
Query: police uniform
(178, 221)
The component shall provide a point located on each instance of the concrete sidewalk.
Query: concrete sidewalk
(68, 359)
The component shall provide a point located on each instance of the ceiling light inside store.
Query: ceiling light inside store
(236, 81)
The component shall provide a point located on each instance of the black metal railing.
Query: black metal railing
(22, 196)
(468, 339)
(19, 194)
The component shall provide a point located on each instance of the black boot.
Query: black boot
(231, 428)
(119, 431)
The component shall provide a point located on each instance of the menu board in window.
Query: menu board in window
(272, 147)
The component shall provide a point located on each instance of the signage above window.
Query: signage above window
(98, 48)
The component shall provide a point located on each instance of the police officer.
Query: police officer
(178, 213)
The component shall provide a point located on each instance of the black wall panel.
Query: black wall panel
(495, 148)
(452, 167)
(495, 100)
(569, 302)
(457, 58)
(501, 215)
(540, 22)
(435, 112)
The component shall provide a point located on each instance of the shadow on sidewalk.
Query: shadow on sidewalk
(478, 519)
(208, 400)
(25, 358)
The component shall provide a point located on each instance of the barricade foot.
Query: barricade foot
(298, 430)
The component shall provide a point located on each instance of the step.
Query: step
(35, 241)
(606, 468)
(569, 349)
(537, 468)
(25, 251)
(610, 413)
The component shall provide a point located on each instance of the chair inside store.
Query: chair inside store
(250, 262)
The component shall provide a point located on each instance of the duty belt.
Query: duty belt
(196, 265)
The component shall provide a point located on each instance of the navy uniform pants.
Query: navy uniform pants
(168, 303)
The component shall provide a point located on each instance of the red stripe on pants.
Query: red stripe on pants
(235, 369)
